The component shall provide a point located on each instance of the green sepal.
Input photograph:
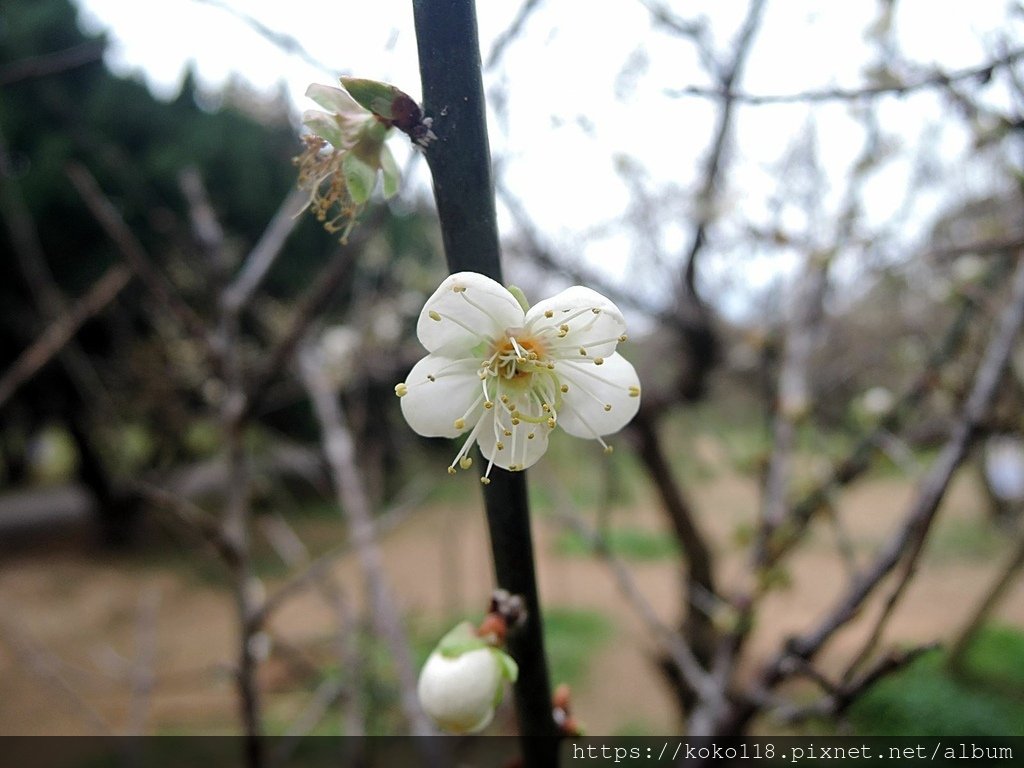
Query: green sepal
(459, 640)
(372, 95)
(509, 668)
(516, 291)
(360, 178)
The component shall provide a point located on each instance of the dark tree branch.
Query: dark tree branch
(460, 164)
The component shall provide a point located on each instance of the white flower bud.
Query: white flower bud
(460, 694)
(463, 680)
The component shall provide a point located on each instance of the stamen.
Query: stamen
(401, 389)
(434, 315)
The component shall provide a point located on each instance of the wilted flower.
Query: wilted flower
(509, 375)
(343, 154)
(462, 682)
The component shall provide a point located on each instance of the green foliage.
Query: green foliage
(927, 700)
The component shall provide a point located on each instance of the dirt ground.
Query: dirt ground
(74, 632)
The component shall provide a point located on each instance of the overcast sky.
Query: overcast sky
(586, 90)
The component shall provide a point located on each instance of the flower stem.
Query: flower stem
(460, 163)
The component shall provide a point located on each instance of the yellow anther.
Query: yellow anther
(459, 288)
(634, 391)
(460, 423)
(549, 313)
(401, 390)
(622, 338)
(451, 470)
(607, 407)
(598, 361)
(465, 462)
(530, 436)
(608, 449)
(515, 422)
(433, 315)
(551, 423)
(488, 405)
(485, 480)
(551, 365)
(596, 310)
(564, 388)
(513, 467)
(508, 432)
(583, 351)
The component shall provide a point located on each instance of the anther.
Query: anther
(460, 423)
(430, 377)
(551, 423)
(530, 436)
(622, 338)
(488, 405)
(596, 310)
(401, 390)
(433, 315)
(607, 407)
(485, 480)
(451, 470)
(500, 446)
(564, 388)
(608, 449)
(549, 313)
(583, 351)
(634, 391)
(598, 361)
(466, 462)
(508, 432)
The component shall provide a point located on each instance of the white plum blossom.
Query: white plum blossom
(462, 682)
(509, 376)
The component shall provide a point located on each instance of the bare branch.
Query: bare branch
(714, 163)
(340, 450)
(936, 79)
(62, 330)
(131, 249)
(262, 257)
(907, 544)
(508, 36)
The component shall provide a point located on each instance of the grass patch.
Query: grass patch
(572, 637)
(970, 540)
(628, 543)
(927, 700)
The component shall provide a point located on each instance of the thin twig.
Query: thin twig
(981, 72)
(341, 452)
(908, 542)
(134, 254)
(51, 341)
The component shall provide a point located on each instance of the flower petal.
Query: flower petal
(584, 411)
(392, 173)
(325, 126)
(466, 310)
(519, 450)
(574, 307)
(334, 99)
(360, 178)
(439, 391)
